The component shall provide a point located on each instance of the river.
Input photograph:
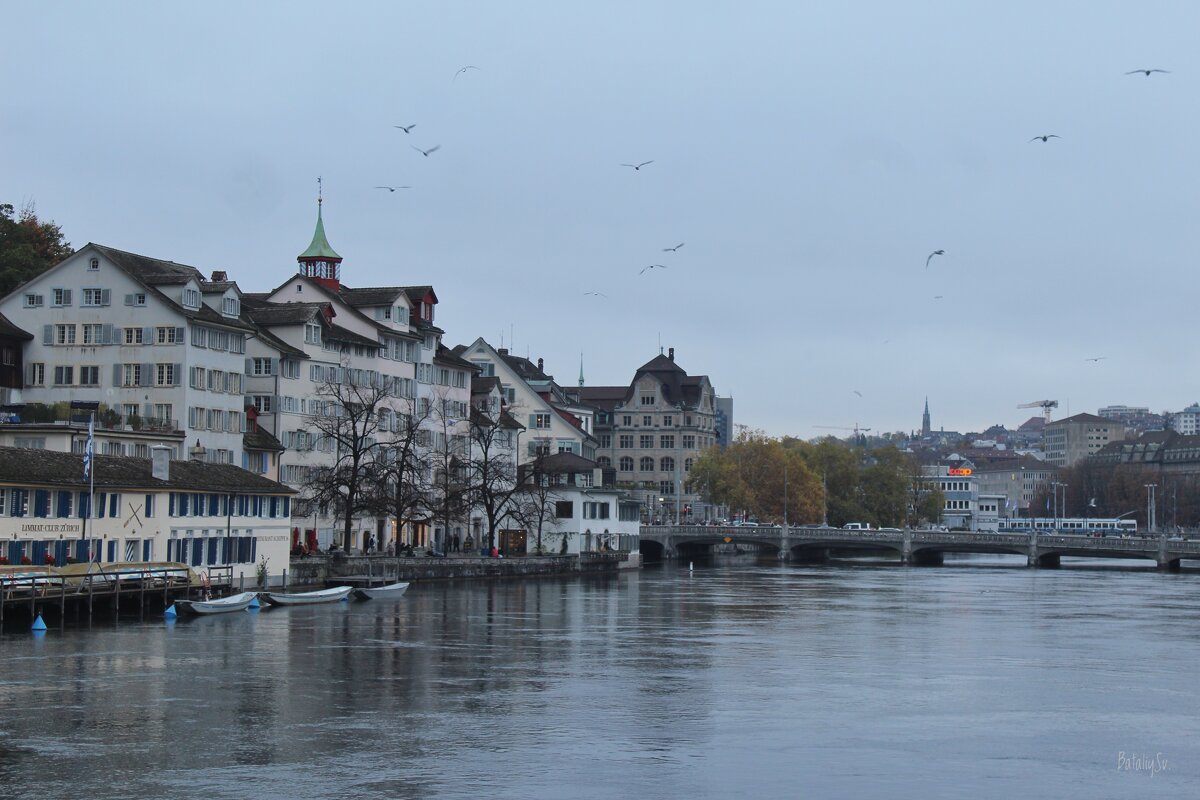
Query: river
(977, 679)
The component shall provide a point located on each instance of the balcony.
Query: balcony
(107, 419)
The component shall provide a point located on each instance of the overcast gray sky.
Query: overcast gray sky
(811, 155)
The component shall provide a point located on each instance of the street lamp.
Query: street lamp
(1150, 522)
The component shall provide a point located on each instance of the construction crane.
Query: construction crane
(857, 430)
(1045, 405)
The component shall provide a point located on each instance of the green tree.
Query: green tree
(754, 475)
(28, 246)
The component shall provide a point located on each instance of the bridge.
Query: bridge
(816, 544)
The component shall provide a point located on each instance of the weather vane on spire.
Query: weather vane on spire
(318, 190)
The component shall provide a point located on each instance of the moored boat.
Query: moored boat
(236, 602)
(392, 590)
(305, 598)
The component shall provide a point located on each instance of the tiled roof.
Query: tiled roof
(259, 439)
(284, 313)
(371, 295)
(7, 328)
(53, 468)
(448, 356)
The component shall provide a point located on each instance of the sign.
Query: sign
(959, 471)
(728, 539)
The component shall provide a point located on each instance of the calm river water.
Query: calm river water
(978, 679)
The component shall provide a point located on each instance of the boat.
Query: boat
(392, 590)
(305, 598)
(235, 602)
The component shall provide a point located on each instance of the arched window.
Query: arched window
(626, 463)
(667, 464)
(647, 464)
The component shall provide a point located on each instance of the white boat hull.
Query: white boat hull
(380, 592)
(305, 598)
(237, 602)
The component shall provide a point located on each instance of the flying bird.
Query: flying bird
(653, 266)
(1146, 72)
(405, 128)
(672, 249)
(857, 392)
(596, 294)
(1047, 137)
(426, 153)
(393, 188)
(464, 69)
(1097, 358)
(937, 297)
(931, 255)
(636, 167)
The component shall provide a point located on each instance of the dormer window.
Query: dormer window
(312, 333)
(191, 298)
(230, 307)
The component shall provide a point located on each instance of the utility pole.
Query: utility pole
(1054, 487)
(785, 494)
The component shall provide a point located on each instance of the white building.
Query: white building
(1187, 421)
(152, 341)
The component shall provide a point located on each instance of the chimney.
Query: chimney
(503, 351)
(219, 275)
(160, 462)
(540, 365)
(671, 353)
(197, 452)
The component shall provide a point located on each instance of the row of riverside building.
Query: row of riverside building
(257, 385)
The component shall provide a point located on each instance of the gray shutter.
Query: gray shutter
(110, 334)
(274, 366)
(117, 374)
(128, 299)
(178, 375)
(66, 297)
(147, 335)
(105, 297)
(29, 374)
(249, 366)
(147, 375)
(47, 334)
(148, 411)
(532, 420)
(179, 334)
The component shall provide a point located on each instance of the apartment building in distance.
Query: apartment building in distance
(1069, 440)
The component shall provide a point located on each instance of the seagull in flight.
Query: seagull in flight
(937, 297)
(653, 266)
(1046, 137)
(637, 167)
(595, 294)
(1097, 358)
(857, 392)
(464, 69)
(1146, 72)
(393, 188)
(426, 153)
(405, 128)
(672, 249)
(931, 255)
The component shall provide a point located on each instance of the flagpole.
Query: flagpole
(89, 472)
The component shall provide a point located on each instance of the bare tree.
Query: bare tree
(448, 456)
(347, 426)
(399, 486)
(491, 472)
(536, 500)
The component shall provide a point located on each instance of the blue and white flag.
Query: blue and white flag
(88, 448)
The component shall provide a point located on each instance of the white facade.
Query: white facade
(1187, 422)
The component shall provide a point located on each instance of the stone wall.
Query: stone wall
(319, 570)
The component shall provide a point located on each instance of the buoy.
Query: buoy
(39, 624)
(170, 612)
(254, 602)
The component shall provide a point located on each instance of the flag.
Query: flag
(88, 448)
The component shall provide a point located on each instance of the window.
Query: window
(605, 441)
(62, 297)
(89, 376)
(688, 420)
(162, 412)
(626, 464)
(647, 399)
(134, 336)
(64, 334)
(131, 375)
(191, 298)
(165, 375)
(647, 422)
(261, 366)
(666, 487)
(289, 368)
(230, 306)
(666, 442)
(564, 509)
(646, 464)
(265, 403)
(626, 421)
(95, 297)
(137, 299)
(168, 335)
(689, 441)
(668, 421)
(541, 421)
(93, 334)
(312, 333)
(94, 264)
(666, 464)
(687, 465)
(37, 374)
(646, 441)
(64, 376)
(34, 301)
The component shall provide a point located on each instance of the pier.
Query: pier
(915, 546)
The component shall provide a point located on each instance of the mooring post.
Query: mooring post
(91, 586)
(3, 592)
(285, 580)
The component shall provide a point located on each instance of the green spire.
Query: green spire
(320, 245)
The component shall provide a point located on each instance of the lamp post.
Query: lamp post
(1150, 522)
(1054, 488)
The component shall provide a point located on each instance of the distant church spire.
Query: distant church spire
(926, 429)
(581, 369)
(319, 261)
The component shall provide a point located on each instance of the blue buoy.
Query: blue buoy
(170, 612)
(39, 624)
(254, 602)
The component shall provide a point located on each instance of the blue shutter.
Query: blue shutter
(112, 550)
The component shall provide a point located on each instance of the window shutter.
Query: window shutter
(532, 420)
(105, 297)
(47, 334)
(117, 368)
(178, 376)
(274, 366)
(147, 375)
(148, 411)
(110, 333)
(249, 366)
(179, 334)
(29, 374)
(128, 299)
(66, 297)
(147, 335)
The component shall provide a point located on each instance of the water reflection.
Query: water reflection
(754, 679)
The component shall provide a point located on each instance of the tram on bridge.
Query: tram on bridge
(1079, 525)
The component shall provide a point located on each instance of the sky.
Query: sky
(810, 156)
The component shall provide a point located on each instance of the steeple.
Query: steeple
(319, 261)
(925, 426)
(581, 369)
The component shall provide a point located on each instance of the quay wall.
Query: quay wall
(318, 570)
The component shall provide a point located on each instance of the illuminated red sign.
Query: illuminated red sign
(959, 471)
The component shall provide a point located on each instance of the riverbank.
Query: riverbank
(316, 571)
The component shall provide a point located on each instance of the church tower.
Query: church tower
(925, 426)
(319, 261)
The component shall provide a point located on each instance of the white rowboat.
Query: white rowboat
(236, 602)
(391, 591)
(306, 598)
